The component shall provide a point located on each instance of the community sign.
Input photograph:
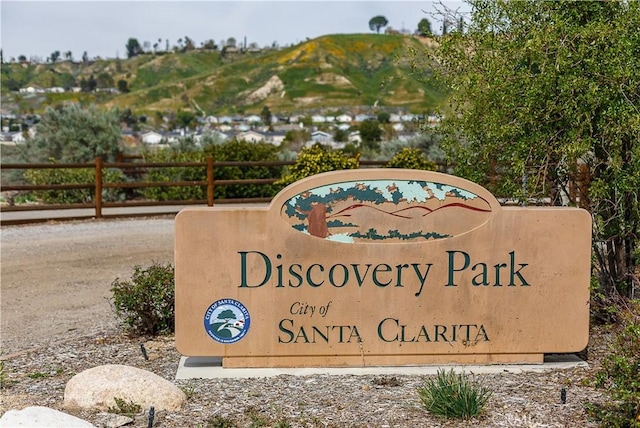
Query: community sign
(378, 267)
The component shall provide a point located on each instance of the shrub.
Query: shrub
(145, 303)
(453, 395)
(235, 150)
(620, 372)
(411, 159)
(73, 176)
(317, 159)
(231, 151)
(174, 173)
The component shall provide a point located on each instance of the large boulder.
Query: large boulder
(41, 417)
(97, 388)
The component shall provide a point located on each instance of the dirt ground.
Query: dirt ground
(56, 278)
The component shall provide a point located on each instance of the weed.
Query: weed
(123, 407)
(453, 395)
(282, 423)
(189, 390)
(218, 421)
(257, 420)
(386, 381)
(4, 382)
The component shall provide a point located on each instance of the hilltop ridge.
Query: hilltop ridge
(330, 72)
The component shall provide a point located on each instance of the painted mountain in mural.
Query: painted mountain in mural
(385, 211)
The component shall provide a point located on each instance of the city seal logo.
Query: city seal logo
(227, 321)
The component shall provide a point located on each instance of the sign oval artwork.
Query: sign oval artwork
(227, 321)
(385, 211)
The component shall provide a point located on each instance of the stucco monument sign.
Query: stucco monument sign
(378, 267)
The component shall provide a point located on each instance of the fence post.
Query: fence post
(210, 181)
(98, 193)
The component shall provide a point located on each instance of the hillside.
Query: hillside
(329, 72)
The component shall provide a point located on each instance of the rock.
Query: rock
(98, 387)
(110, 420)
(41, 417)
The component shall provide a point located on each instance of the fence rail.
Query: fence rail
(98, 204)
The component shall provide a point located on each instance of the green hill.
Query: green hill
(330, 72)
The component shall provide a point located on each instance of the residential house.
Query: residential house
(275, 137)
(152, 137)
(17, 137)
(321, 137)
(251, 137)
(354, 137)
(344, 118)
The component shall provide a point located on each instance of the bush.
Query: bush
(453, 395)
(235, 150)
(411, 159)
(231, 151)
(316, 159)
(620, 372)
(145, 304)
(73, 176)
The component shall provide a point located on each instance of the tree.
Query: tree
(71, 133)
(424, 27)
(265, 115)
(55, 56)
(370, 133)
(378, 22)
(85, 57)
(104, 80)
(133, 48)
(123, 87)
(89, 85)
(189, 45)
(384, 117)
(544, 102)
(185, 119)
(210, 44)
(340, 136)
(68, 55)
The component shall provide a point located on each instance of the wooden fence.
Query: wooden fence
(140, 168)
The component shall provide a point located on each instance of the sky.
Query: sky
(102, 28)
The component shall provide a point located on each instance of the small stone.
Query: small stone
(111, 420)
(41, 417)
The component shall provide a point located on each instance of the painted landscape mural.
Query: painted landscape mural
(385, 211)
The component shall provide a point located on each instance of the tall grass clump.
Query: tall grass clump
(453, 395)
